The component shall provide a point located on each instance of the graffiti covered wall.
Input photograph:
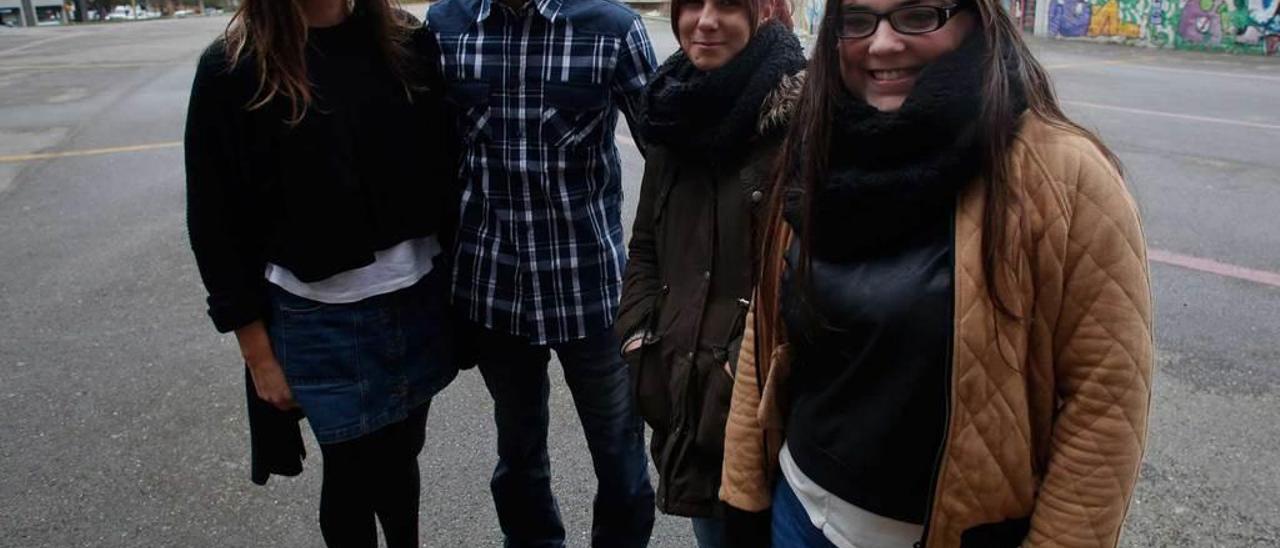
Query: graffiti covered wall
(807, 15)
(1241, 26)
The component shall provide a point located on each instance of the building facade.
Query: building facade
(27, 13)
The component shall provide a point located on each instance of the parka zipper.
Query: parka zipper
(947, 395)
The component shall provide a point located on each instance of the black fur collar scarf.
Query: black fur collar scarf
(716, 112)
(892, 172)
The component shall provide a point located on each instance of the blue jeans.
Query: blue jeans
(791, 524)
(515, 372)
(709, 532)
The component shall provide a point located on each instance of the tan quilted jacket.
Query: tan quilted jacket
(1048, 414)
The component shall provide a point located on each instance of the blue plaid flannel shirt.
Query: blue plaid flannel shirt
(537, 91)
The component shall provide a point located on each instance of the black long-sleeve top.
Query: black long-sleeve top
(370, 165)
(870, 380)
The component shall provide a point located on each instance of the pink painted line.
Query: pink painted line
(1214, 267)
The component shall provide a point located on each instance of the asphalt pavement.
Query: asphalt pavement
(122, 410)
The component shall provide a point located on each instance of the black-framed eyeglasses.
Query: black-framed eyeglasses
(855, 22)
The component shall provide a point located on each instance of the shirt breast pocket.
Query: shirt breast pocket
(574, 115)
(471, 101)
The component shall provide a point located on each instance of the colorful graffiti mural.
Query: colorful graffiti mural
(812, 19)
(1070, 18)
(1240, 26)
(1244, 26)
(808, 16)
(1116, 18)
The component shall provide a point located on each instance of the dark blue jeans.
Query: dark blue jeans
(515, 372)
(791, 524)
(709, 532)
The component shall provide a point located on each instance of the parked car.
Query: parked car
(124, 13)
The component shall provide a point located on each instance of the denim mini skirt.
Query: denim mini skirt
(357, 367)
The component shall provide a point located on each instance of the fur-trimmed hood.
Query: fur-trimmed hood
(780, 105)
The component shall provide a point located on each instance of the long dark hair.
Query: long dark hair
(273, 33)
(1009, 67)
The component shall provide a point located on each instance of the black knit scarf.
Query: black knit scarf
(891, 171)
(715, 112)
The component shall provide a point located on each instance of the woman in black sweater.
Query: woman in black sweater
(318, 182)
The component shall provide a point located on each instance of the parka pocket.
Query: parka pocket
(650, 381)
(727, 351)
(712, 408)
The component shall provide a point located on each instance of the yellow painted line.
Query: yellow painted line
(1175, 115)
(87, 152)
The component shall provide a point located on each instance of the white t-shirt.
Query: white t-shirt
(844, 524)
(394, 268)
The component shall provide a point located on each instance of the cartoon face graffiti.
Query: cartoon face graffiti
(1201, 23)
(1264, 25)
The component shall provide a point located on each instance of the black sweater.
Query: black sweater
(369, 166)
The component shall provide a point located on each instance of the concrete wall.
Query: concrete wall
(1238, 26)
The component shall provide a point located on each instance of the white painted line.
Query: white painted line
(1216, 74)
(1137, 63)
(28, 45)
(1091, 64)
(1175, 115)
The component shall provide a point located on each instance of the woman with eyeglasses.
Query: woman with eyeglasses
(951, 339)
(713, 118)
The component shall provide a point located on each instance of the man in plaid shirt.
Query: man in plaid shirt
(537, 86)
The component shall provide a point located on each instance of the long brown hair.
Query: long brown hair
(777, 10)
(1009, 68)
(273, 34)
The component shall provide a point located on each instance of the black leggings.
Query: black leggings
(374, 475)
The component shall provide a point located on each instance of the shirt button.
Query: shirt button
(756, 196)
(689, 355)
(706, 275)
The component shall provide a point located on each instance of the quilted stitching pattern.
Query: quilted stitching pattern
(1087, 343)
(1048, 413)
